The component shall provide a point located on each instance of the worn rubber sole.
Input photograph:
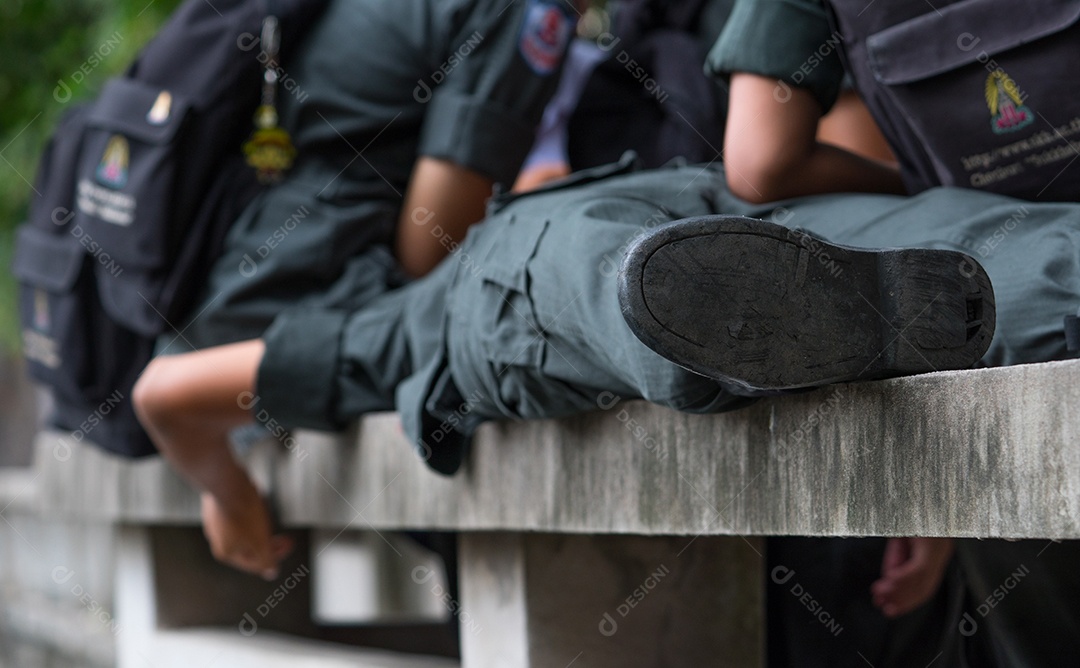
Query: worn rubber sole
(765, 307)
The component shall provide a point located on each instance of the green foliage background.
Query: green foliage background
(46, 42)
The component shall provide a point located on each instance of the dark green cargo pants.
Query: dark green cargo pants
(523, 318)
(523, 322)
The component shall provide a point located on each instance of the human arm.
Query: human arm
(540, 175)
(188, 404)
(911, 572)
(480, 122)
(784, 72)
(849, 126)
(771, 150)
(442, 201)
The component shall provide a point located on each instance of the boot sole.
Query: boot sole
(766, 307)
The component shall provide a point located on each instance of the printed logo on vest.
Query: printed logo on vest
(113, 170)
(41, 311)
(1007, 110)
(38, 346)
(544, 36)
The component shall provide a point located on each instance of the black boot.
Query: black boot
(769, 308)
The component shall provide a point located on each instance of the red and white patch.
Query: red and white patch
(544, 36)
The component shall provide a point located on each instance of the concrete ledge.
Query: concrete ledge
(986, 453)
(224, 647)
(42, 623)
(18, 490)
(81, 481)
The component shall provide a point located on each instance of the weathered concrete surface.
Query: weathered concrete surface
(56, 584)
(536, 600)
(184, 649)
(21, 403)
(988, 453)
(222, 647)
(78, 480)
(177, 608)
(360, 577)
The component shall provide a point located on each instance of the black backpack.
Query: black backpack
(971, 93)
(133, 198)
(650, 94)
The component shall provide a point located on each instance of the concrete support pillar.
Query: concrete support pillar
(538, 600)
(166, 579)
(136, 609)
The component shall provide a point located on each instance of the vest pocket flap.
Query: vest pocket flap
(48, 261)
(961, 34)
(142, 112)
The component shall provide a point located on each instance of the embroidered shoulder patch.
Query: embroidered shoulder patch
(544, 35)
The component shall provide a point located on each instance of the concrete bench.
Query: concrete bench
(621, 537)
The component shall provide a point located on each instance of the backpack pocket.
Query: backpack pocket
(52, 201)
(127, 172)
(987, 89)
(69, 342)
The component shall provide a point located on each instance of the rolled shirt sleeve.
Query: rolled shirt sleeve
(503, 66)
(788, 40)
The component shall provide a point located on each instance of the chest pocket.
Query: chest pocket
(982, 94)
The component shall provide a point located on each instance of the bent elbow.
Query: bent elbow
(757, 183)
(157, 400)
